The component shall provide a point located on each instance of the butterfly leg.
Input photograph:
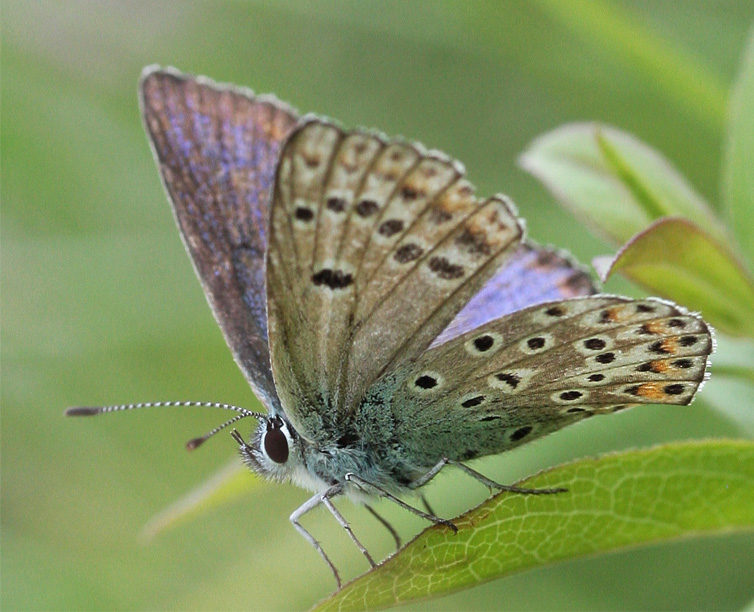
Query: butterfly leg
(387, 525)
(312, 503)
(343, 523)
(491, 484)
(500, 487)
(365, 484)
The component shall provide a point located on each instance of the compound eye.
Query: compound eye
(276, 445)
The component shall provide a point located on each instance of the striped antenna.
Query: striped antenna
(191, 444)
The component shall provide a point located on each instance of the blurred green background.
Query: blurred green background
(100, 304)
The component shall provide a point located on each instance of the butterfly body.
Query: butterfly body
(390, 320)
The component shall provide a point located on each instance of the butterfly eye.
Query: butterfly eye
(276, 445)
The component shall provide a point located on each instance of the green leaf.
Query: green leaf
(613, 181)
(227, 484)
(738, 172)
(676, 259)
(618, 501)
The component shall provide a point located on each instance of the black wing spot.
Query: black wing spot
(473, 401)
(408, 252)
(595, 344)
(605, 358)
(408, 193)
(683, 363)
(304, 214)
(674, 389)
(491, 417)
(569, 396)
(659, 347)
(484, 343)
(596, 377)
(444, 269)
(632, 390)
(575, 410)
(475, 242)
(688, 340)
(334, 279)
(555, 311)
(390, 227)
(520, 433)
(676, 323)
(646, 367)
(366, 208)
(426, 382)
(535, 343)
(644, 308)
(511, 379)
(336, 204)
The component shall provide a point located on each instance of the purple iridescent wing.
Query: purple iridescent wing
(217, 148)
(532, 275)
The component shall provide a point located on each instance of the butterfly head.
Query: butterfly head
(274, 450)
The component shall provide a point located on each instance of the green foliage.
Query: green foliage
(617, 501)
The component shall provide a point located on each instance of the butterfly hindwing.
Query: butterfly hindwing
(540, 369)
(375, 246)
(217, 148)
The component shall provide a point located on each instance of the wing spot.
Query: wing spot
(439, 215)
(595, 344)
(390, 227)
(337, 205)
(662, 347)
(575, 410)
(366, 208)
(609, 315)
(535, 343)
(408, 252)
(473, 401)
(605, 358)
(409, 194)
(596, 377)
(426, 381)
(304, 214)
(555, 311)
(569, 396)
(520, 433)
(688, 341)
(491, 417)
(444, 269)
(510, 379)
(475, 242)
(645, 308)
(676, 323)
(484, 343)
(334, 279)
(674, 389)
(684, 364)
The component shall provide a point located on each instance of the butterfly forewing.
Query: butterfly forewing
(217, 148)
(375, 247)
(537, 370)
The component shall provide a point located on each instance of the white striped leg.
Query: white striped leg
(343, 523)
(312, 503)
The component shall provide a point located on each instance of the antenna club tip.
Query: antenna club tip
(81, 411)
(194, 444)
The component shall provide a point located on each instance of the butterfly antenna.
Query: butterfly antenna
(191, 444)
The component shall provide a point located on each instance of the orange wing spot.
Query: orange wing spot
(668, 346)
(659, 367)
(610, 315)
(650, 390)
(654, 327)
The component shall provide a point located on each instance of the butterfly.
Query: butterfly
(390, 320)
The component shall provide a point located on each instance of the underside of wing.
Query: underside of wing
(375, 246)
(538, 370)
(217, 148)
